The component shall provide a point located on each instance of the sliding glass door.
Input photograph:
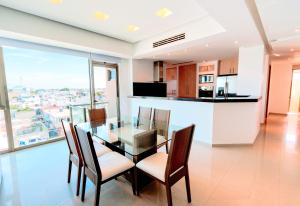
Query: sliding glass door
(105, 88)
(41, 86)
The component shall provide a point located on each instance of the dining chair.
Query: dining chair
(97, 115)
(144, 117)
(75, 155)
(160, 122)
(144, 142)
(169, 169)
(101, 169)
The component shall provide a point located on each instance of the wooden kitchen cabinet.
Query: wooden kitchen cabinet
(187, 81)
(171, 74)
(206, 69)
(228, 66)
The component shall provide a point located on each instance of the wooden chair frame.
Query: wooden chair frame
(167, 127)
(94, 117)
(75, 157)
(176, 168)
(139, 115)
(96, 176)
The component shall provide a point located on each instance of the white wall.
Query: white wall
(280, 85)
(264, 89)
(125, 86)
(252, 74)
(26, 27)
(142, 70)
(251, 70)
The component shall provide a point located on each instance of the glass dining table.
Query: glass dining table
(129, 137)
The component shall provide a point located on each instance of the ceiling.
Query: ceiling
(281, 21)
(141, 13)
(240, 31)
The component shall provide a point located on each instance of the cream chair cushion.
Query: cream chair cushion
(97, 139)
(154, 165)
(113, 163)
(100, 149)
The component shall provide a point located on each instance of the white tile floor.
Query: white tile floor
(267, 173)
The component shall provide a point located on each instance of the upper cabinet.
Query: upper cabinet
(171, 74)
(228, 66)
(206, 69)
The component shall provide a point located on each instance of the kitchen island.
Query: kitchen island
(219, 121)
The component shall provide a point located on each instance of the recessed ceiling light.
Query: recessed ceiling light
(236, 42)
(56, 1)
(101, 16)
(277, 55)
(132, 28)
(164, 12)
(292, 49)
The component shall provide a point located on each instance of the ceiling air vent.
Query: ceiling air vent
(169, 40)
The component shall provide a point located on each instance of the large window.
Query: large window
(41, 86)
(3, 133)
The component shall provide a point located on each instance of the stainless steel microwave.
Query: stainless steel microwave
(207, 78)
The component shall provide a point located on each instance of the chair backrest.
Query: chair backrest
(97, 115)
(160, 121)
(88, 151)
(180, 149)
(144, 117)
(71, 138)
(146, 139)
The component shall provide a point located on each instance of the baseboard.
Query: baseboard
(281, 114)
(233, 145)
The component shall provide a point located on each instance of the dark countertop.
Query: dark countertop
(205, 99)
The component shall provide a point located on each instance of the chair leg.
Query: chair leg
(167, 148)
(187, 184)
(83, 186)
(69, 170)
(137, 189)
(169, 195)
(97, 195)
(78, 179)
(132, 172)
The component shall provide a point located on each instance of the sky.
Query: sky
(44, 70)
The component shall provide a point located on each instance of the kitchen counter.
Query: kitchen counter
(218, 121)
(206, 99)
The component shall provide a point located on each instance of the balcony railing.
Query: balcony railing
(79, 112)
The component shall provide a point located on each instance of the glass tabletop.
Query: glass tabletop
(131, 135)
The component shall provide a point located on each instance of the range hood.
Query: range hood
(158, 73)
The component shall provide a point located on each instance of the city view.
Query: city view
(42, 86)
(36, 113)
(38, 97)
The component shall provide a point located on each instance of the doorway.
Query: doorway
(105, 88)
(295, 92)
